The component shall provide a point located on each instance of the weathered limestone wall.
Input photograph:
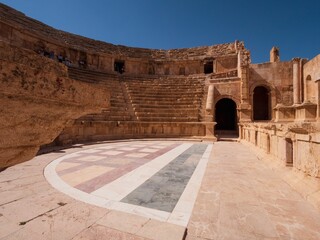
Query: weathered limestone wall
(37, 101)
(224, 89)
(275, 76)
(230, 89)
(23, 32)
(84, 131)
(272, 139)
(312, 68)
(19, 30)
(226, 63)
(168, 64)
(293, 138)
(311, 79)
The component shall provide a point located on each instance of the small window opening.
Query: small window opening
(166, 71)
(119, 66)
(208, 67)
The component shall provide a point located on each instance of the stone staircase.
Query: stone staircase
(170, 99)
(119, 109)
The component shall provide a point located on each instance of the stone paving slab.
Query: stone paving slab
(242, 197)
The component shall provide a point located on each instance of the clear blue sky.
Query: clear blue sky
(292, 25)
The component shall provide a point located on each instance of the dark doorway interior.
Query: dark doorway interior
(208, 67)
(261, 104)
(119, 66)
(289, 152)
(226, 115)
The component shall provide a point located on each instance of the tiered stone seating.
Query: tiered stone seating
(119, 110)
(167, 99)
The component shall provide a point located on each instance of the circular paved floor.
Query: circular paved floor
(154, 179)
(241, 196)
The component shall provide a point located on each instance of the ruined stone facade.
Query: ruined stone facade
(202, 92)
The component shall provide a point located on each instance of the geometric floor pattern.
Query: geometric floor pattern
(155, 179)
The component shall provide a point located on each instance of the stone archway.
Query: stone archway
(226, 117)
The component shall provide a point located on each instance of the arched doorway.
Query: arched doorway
(226, 117)
(261, 104)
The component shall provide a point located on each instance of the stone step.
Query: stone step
(166, 114)
(165, 105)
(166, 93)
(108, 118)
(166, 97)
(162, 86)
(168, 109)
(166, 102)
(170, 82)
(168, 119)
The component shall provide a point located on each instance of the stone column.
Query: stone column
(209, 103)
(209, 115)
(296, 81)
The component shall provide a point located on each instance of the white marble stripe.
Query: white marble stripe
(180, 214)
(122, 186)
(141, 211)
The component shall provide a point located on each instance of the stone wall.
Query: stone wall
(100, 58)
(277, 77)
(311, 79)
(85, 131)
(37, 101)
(273, 138)
(292, 137)
(22, 31)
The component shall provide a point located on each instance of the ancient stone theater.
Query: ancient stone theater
(61, 89)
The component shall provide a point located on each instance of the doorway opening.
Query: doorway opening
(289, 152)
(119, 66)
(208, 67)
(226, 117)
(261, 103)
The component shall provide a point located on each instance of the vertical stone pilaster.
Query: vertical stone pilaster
(244, 85)
(296, 81)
